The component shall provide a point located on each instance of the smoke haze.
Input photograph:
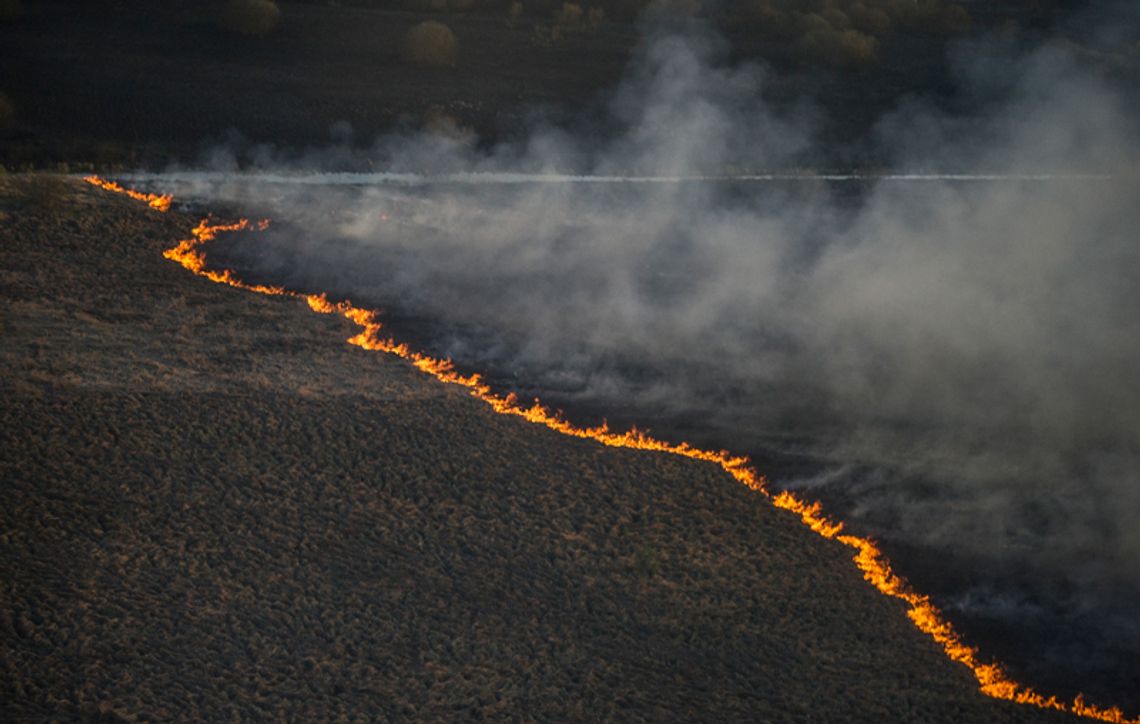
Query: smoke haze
(953, 364)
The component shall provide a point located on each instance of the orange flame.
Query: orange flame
(155, 201)
(869, 558)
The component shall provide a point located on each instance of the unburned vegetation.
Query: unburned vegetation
(214, 508)
(346, 65)
(835, 33)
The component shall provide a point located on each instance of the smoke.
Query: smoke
(955, 363)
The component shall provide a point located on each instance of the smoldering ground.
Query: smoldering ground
(951, 363)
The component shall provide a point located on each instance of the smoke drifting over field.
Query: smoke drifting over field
(955, 363)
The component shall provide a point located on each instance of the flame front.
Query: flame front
(992, 678)
(161, 202)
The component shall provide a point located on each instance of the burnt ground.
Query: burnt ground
(213, 507)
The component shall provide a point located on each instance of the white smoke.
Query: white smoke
(953, 346)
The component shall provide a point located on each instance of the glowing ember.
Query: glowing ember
(992, 679)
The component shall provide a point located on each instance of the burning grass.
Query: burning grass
(212, 512)
(876, 569)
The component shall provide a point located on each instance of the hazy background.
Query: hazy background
(954, 365)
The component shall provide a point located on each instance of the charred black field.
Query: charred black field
(885, 249)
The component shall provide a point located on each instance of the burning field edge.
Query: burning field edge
(868, 557)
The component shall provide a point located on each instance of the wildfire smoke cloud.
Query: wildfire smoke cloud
(868, 557)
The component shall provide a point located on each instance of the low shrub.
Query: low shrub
(569, 15)
(430, 43)
(249, 17)
(845, 32)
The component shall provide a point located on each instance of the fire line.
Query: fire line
(868, 557)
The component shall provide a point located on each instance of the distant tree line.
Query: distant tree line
(828, 32)
(823, 32)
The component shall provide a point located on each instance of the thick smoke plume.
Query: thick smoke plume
(955, 362)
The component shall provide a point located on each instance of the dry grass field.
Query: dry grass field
(214, 508)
